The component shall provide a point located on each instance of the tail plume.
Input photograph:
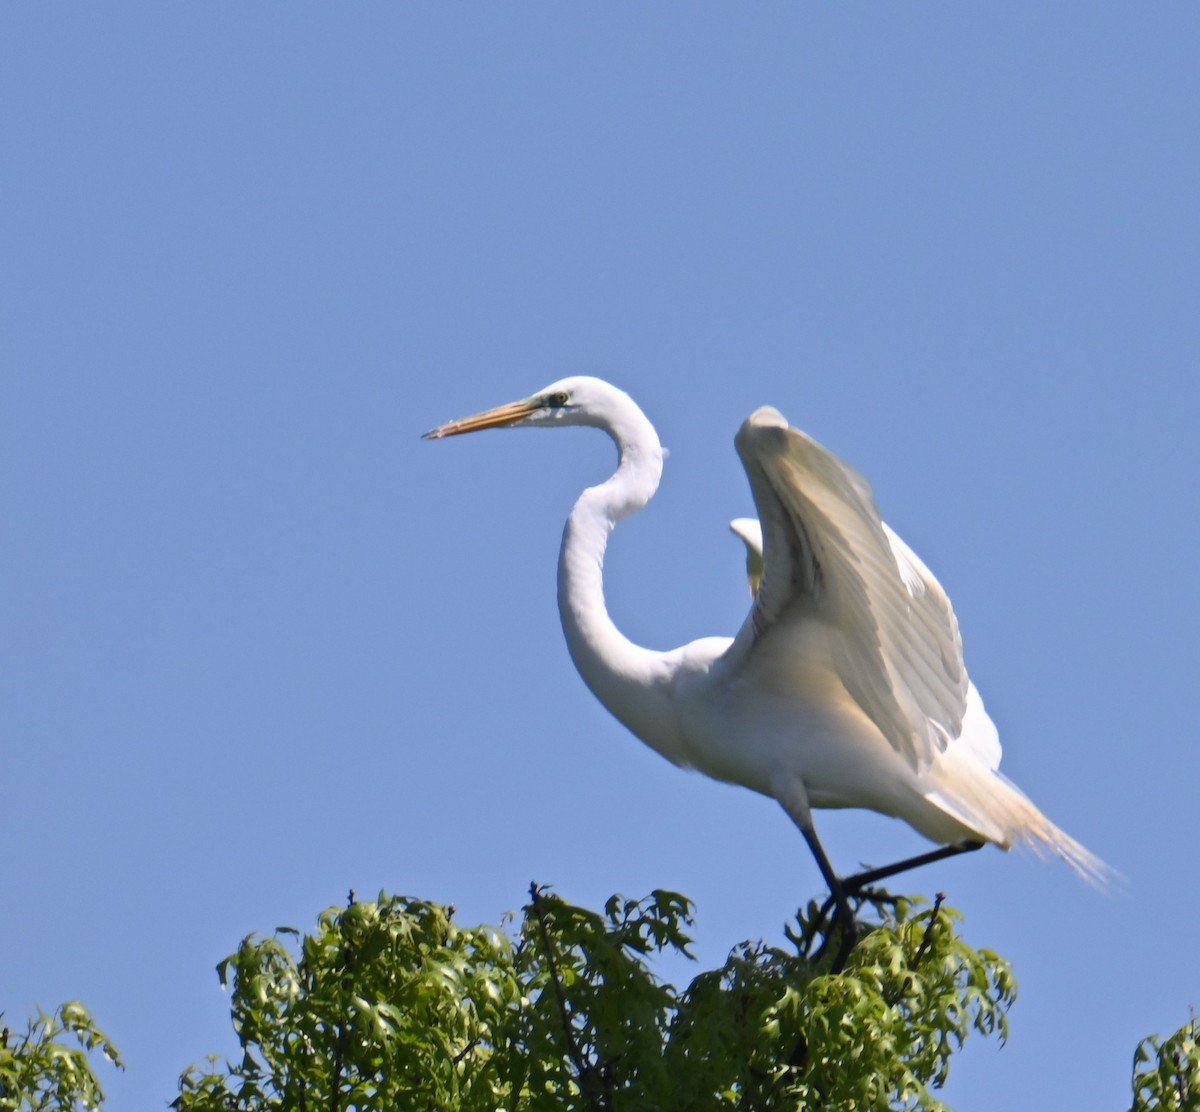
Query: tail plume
(1002, 814)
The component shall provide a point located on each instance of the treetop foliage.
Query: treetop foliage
(46, 1067)
(1166, 1072)
(391, 1004)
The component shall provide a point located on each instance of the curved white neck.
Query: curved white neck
(629, 680)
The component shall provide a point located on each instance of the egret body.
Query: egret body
(844, 687)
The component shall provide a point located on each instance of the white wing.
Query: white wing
(828, 557)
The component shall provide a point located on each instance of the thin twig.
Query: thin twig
(457, 1059)
(339, 1051)
(582, 1068)
(923, 949)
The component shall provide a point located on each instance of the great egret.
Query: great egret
(845, 686)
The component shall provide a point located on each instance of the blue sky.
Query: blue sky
(263, 644)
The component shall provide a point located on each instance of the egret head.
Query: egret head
(579, 400)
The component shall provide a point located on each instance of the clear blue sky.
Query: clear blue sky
(262, 644)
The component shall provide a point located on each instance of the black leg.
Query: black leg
(837, 896)
(841, 889)
(852, 885)
(859, 881)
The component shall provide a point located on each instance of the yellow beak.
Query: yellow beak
(489, 419)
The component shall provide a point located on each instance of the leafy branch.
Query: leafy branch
(1166, 1072)
(47, 1067)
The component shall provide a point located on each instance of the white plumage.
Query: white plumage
(845, 686)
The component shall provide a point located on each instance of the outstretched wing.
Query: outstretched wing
(828, 557)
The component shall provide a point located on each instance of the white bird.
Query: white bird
(845, 686)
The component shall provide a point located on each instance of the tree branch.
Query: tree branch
(584, 1071)
(923, 949)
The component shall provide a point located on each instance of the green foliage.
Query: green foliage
(392, 1005)
(387, 1005)
(776, 1030)
(1166, 1072)
(40, 1072)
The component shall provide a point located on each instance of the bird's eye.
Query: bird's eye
(558, 399)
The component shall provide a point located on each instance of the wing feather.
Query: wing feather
(828, 556)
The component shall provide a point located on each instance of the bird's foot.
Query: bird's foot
(841, 926)
(838, 916)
